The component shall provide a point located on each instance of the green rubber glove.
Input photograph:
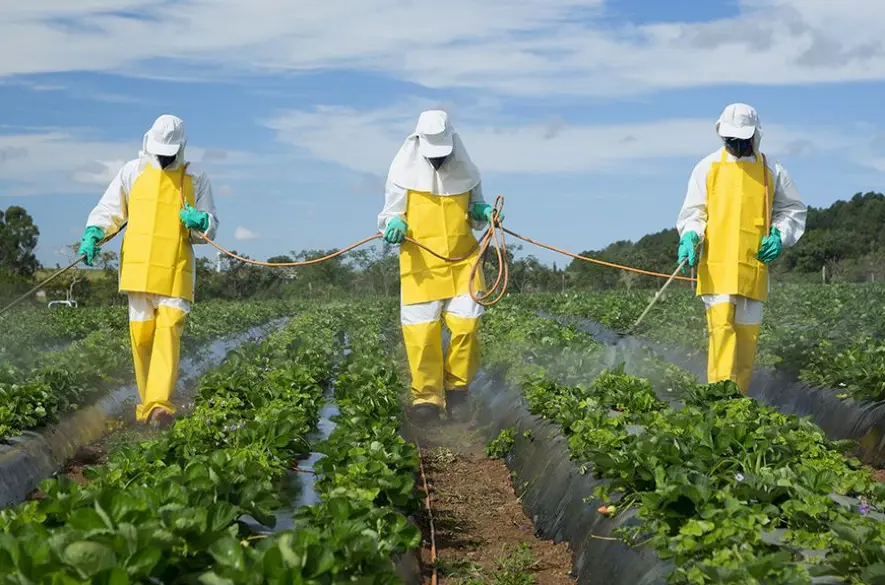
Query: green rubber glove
(483, 212)
(771, 246)
(688, 248)
(89, 244)
(193, 219)
(396, 231)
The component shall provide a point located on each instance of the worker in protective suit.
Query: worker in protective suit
(434, 196)
(741, 211)
(157, 267)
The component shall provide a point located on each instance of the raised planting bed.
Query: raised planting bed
(56, 382)
(26, 333)
(721, 488)
(842, 418)
(180, 508)
(33, 456)
(827, 336)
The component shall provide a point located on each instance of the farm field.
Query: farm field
(719, 488)
(196, 503)
(722, 486)
(831, 336)
(37, 386)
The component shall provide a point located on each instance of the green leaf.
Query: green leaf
(103, 515)
(214, 579)
(323, 564)
(291, 558)
(874, 574)
(89, 558)
(115, 576)
(141, 563)
(221, 515)
(229, 553)
(87, 520)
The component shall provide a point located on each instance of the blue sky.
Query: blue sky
(587, 115)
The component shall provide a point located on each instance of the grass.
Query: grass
(91, 274)
(513, 568)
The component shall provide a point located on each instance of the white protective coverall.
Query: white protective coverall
(157, 265)
(435, 205)
(734, 190)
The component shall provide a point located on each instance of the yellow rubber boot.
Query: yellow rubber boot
(745, 355)
(462, 358)
(722, 347)
(424, 349)
(163, 374)
(141, 337)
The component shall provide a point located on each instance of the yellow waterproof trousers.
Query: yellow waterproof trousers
(155, 328)
(432, 372)
(733, 326)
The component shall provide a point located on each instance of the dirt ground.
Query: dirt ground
(483, 536)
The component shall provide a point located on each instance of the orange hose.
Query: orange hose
(494, 233)
(594, 260)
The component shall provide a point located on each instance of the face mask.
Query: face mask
(438, 162)
(165, 161)
(739, 147)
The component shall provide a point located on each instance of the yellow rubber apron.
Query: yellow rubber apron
(443, 225)
(737, 209)
(157, 256)
(736, 223)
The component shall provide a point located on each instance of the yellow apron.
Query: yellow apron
(736, 223)
(157, 256)
(442, 224)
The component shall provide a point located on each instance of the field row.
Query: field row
(175, 508)
(726, 488)
(723, 487)
(41, 386)
(830, 336)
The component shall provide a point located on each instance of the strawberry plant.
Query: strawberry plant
(830, 336)
(172, 509)
(36, 392)
(158, 509)
(729, 489)
(365, 480)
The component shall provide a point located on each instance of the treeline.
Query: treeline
(844, 242)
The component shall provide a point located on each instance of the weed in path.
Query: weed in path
(513, 568)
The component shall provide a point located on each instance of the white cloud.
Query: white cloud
(366, 141)
(242, 234)
(214, 155)
(98, 172)
(56, 161)
(60, 161)
(530, 47)
(877, 164)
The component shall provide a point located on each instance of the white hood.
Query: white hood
(411, 170)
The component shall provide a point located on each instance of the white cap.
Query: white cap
(166, 136)
(737, 121)
(434, 134)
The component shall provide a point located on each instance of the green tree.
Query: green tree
(18, 240)
(333, 273)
